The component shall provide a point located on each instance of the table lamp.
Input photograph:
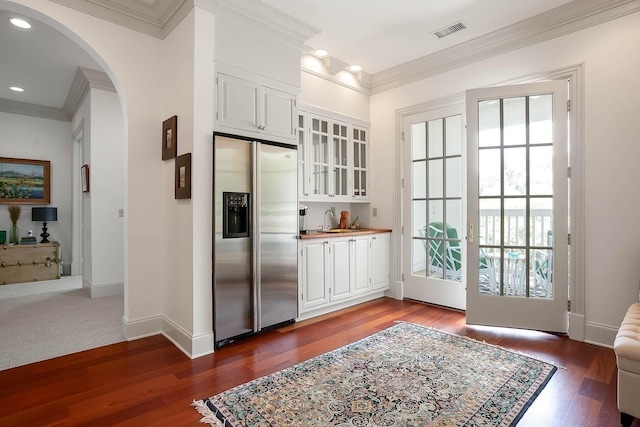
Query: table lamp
(44, 214)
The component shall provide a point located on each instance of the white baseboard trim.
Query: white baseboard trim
(598, 334)
(192, 346)
(576, 326)
(103, 289)
(340, 306)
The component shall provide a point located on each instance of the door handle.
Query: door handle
(472, 233)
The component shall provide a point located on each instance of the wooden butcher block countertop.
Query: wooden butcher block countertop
(318, 234)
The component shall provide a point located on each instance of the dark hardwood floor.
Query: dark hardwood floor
(150, 382)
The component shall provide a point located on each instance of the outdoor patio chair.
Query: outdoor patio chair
(452, 253)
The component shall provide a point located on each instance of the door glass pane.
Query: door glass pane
(489, 172)
(541, 113)
(436, 178)
(419, 183)
(419, 141)
(514, 272)
(515, 224)
(435, 257)
(320, 179)
(489, 123)
(515, 130)
(356, 182)
(541, 222)
(453, 126)
(419, 259)
(454, 177)
(515, 171)
(541, 281)
(435, 211)
(419, 218)
(435, 138)
(454, 216)
(490, 228)
(488, 273)
(541, 170)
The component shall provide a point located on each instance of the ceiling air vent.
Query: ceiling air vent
(454, 28)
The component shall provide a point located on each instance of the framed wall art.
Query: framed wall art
(26, 182)
(84, 177)
(170, 138)
(183, 176)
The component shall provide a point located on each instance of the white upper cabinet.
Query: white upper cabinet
(249, 107)
(333, 157)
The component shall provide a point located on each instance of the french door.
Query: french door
(517, 195)
(433, 207)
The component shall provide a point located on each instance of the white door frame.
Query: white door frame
(575, 75)
(76, 213)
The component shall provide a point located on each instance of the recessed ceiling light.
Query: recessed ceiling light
(355, 68)
(20, 23)
(16, 89)
(321, 53)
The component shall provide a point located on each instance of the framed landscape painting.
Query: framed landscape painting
(25, 181)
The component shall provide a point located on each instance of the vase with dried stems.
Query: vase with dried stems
(14, 214)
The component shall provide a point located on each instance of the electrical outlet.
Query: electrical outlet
(374, 211)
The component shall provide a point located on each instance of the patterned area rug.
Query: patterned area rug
(406, 375)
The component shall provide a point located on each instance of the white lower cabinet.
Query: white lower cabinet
(380, 247)
(337, 272)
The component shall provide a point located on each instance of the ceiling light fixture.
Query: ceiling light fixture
(321, 53)
(21, 23)
(16, 89)
(355, 68)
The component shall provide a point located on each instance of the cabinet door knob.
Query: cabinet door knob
(35, 262)
(19, 262)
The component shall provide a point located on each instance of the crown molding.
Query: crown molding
(85, 80)
(33, 110)
(264, 18)
(157, 18)
(557, 22)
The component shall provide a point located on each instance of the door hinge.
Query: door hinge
(568, 305)
(568, 239)
(568, 172)
(402, 277)
(402, 229)
(402, 136)
(402, 182)
(569, 105)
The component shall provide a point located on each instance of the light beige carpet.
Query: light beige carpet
(39, 321)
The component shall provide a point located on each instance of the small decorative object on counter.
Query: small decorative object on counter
(355, 225)
(344, 219)
(14, 214)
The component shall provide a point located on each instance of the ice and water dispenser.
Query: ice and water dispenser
(236, 215)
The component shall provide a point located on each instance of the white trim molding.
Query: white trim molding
(33, 110)
(566, 19)
(193, 346)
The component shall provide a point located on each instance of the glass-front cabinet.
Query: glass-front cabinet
(333, 157)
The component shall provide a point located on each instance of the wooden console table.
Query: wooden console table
(29, 263)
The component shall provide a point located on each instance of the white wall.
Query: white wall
(612, 270)
(106, 169)
(34, 138)
(132, 61)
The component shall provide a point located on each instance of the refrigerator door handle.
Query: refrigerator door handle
(255, 235)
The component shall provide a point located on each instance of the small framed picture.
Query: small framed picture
(84, 177)
(170, 138)
(183, 176)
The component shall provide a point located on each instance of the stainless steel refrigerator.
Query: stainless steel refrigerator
(255, 276)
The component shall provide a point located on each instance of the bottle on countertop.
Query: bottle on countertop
(355, 225)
